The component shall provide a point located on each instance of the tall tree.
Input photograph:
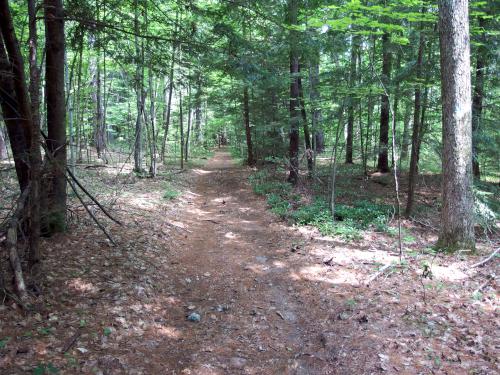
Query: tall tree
(415, 143)
(248, 130)
(56, 114)
(351, 102)
(383, 160)
(293, 175)
(457, 224)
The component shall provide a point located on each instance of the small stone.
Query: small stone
(194, 317)
(207, 274)
(237, 362)
(191, 307)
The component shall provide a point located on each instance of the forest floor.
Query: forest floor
(271, 298)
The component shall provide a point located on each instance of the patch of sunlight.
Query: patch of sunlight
(145, 201)
(82, 286)
(279, 264)
(170, 332)
(191, 193)
(449, 273)
(344, 255)
(222, 199)
(231, 235)
(201, 171)
(341, 276)
(197, 211)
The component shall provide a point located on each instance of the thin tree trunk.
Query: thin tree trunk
(416, 131)
(457, 221)
(383, 160)
(188, 132)
(166, 114)
(139, 76)
(248, 131)
(351, 99)
(405, 142)
(181, 128)
(293, 175)
(305, 126)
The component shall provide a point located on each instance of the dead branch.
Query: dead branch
(380, 272)
(101, 227)
(15, 262)
(483, 262)
(73, 177)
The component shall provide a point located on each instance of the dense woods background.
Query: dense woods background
(320, 94)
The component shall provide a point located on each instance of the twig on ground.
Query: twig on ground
(484, 261)
(377, 274)
(71, 342)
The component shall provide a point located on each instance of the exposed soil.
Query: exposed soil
(272, 299)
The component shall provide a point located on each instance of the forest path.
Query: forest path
(234, 267)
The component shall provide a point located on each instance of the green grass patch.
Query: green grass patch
(350, 220)
(170, 193)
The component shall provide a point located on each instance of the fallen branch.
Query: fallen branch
(483, 262)
(101, 227)
(380, 272)
(15, 262)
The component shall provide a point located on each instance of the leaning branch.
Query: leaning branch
(483, 262)
(15, 262)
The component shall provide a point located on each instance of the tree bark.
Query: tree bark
(166, 113)
(351, 100)
(383, 160)
(56, 114)
(415, 139)
(457, 223)
(181, 128)
(34, 202)
(248, 130)
(305, 126)
(3, 143)
(477, 100)
(293, 175)
(140, 95)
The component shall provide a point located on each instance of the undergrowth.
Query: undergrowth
(350, 220)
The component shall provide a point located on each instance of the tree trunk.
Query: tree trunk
(457, 221)
(477, 100)
(405, 142)
(248, 132)
(197, 112)
(56, 114)
(34, 202)
(293, 175)
(351, 100)
(181, 128)
(166, 113)
(383, 160)
(3, 143)
(14, 94)
(140, 96)
(188, 132)
(415, 139)
(315, 97)
(307, 135)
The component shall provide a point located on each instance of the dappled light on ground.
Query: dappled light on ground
(211, 282)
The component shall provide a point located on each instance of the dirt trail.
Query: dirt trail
(233, 268)
(273, 298)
